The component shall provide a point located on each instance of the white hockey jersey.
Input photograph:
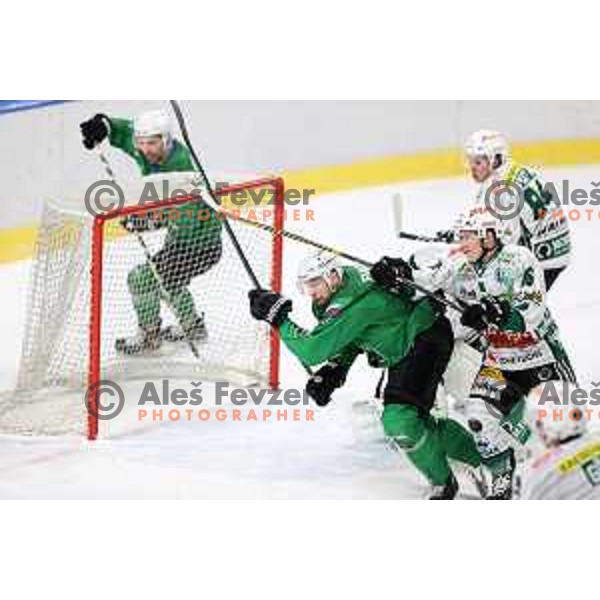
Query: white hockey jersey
(568, 472)
(529, 338)
(540, 226)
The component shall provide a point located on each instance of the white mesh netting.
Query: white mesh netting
(210, 292)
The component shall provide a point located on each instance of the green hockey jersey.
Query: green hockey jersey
(192, 224)
(360, 317)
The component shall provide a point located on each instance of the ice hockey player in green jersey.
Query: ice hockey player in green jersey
(192, 244)
(412, 340)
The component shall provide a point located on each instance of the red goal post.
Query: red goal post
(79, 303)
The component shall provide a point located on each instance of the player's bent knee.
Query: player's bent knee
(404, 424)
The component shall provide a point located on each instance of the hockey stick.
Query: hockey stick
(140, 238)
(422, 238)
(398, 209)
(209, 189)
(214, 203)
(456, 305)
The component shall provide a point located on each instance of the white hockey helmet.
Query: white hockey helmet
(153, 123)
(316, 266)
(553, 413)
(479, 220)
(489, 144)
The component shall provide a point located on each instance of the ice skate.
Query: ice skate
(446, 491)
(197, 332)
(145, 340)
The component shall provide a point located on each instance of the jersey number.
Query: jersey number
(539, 199)
(592, 471)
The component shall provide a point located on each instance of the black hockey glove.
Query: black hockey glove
(391, 274)
(324, 382)
(446, 236)
(491, 311)
(474, 317)
(95, 131)
(269, 306)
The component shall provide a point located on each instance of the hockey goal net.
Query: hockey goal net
(92, 285)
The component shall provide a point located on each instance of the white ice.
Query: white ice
(340, 455)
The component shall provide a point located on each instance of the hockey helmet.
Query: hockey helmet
(489, 144)
(153, 123)
(554, 413)
(316, 267)
(479, 220)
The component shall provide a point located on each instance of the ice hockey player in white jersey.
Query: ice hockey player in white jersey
(504, 288)
(538, 223)
(569, 468)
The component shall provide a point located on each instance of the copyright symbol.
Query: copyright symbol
(504, 199)
(503, 397)
(104, 196)
(100, 407)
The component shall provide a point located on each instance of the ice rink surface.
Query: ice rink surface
(342, 453)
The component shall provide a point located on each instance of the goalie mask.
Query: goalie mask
(320, 272)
